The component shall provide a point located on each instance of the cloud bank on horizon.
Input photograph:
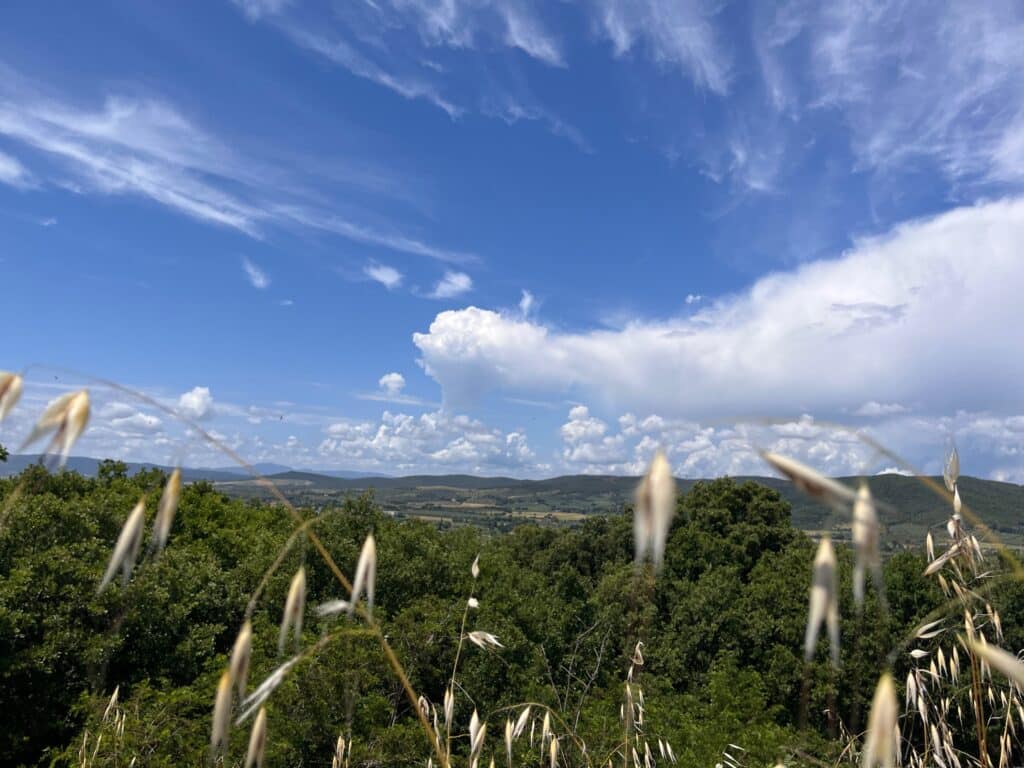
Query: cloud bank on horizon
(496, 238)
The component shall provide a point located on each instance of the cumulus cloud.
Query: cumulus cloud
(451, 285)
(387, 276)
(392, 383)
(919, 315)
(197, 403)
(257, 277)
(432, 440)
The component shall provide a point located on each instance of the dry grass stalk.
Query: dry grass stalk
(294, 606)
(824, 602)
(366, 575)
(241, 652)
(166, 510)
(67, 416)
(126, 550)
(10, 392)
(257, 741)
(865, 541)
(654, 510)
(881, 745)
(814, 484)
(221, 714)
(1005, 662)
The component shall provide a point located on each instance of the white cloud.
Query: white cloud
(392, 383)
(430, 441)
(256, 276)
(451, 285)
(873, 408)
(680, 34)
(387, 276)
(12, 171)
(920, 315)
(147, 148)
(197, 403)
(693, 298)
(913, 79)
(258, 9)
(526, 302)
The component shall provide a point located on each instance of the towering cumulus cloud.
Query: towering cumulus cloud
(920, 315)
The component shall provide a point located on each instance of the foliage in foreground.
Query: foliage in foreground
(722, 627)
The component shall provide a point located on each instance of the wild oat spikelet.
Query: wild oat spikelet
(521, 721)
(655, 506)
(10, 392)
(865, 541)
(824, 603)
(166, 510)
(240, 655)
(554, 753)
(68, 415)
(881, 745)
(814, 484)
(293, 609)
(257, 741)
(475, 568)
(366, 575)
(484, 639)
(509, 735)
(951, 468)
(126, 550)
(477, 730)
(221, 714)
(1005, 662)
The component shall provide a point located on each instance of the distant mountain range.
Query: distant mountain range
(87, 466)
(907, 507)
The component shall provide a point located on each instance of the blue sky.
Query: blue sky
(516, 237)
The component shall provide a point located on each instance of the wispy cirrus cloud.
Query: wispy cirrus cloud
(12, 171)
(257, 278)
(146, 148)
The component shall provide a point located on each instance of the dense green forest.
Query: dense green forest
(722, 627)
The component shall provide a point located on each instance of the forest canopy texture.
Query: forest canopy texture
(722, 626)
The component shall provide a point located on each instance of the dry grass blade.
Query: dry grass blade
(951, 468)
(294, 607)
(484, 639)
(333, 607)
(824, 602)
(865, 541)
(881, 746)
(166, 510)
(10, 392)
(263, 691)
(257, 741)
(654, 510)
(999, 659)
(814, 484)
(240, 655)
(221, 714)
(68, 415)
(366, 575)
(126, 550)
